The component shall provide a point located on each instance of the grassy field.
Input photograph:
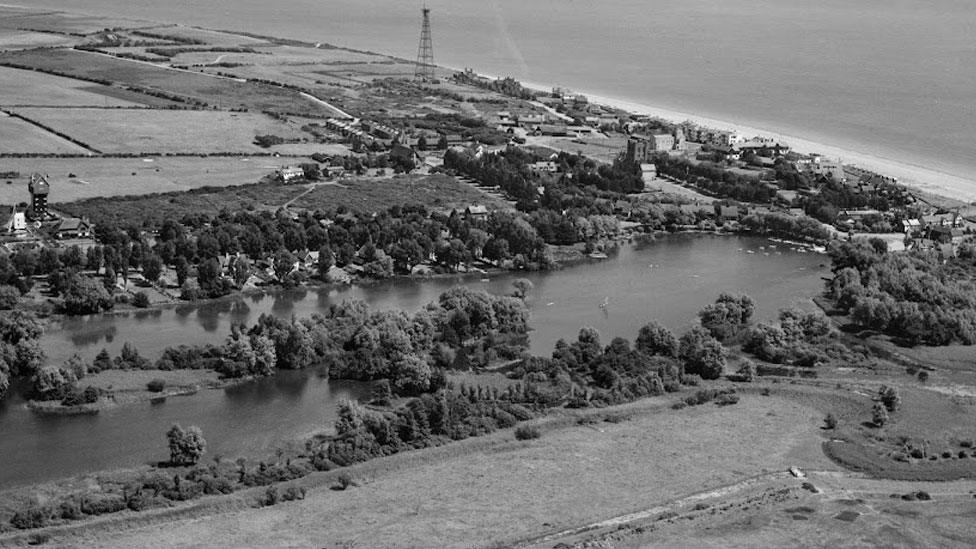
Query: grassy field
(361, 195)
(212, 37)
(98, 177)
(30, 88)
(62, 22)
(18, 136)
(162, 131)
(20, 40)
(495, 491)
(222, 92)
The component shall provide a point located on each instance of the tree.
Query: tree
(186, 447)
(85, 296)
(879, 415)
(655, 339)
(889, 397)
(284, 263)
(8, 297)
(522, 287)
(152, 267)
(182, 267)
(702, 354)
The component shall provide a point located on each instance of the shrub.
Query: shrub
(89, 395)
(32, 516)
(923, 376)
(293, 493)
(344, 481)
(830, 422)
(680, 405)
(527, 432)
(879, 415)
(101, 505)
(727, 399)
(270, 497)
(156, 385)
(140, 300)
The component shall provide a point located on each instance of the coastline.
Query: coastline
(922, 178)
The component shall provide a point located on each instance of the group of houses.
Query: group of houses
(34, 221)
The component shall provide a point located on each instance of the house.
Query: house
(622, 207)
(551, 130)
(333, 172)
(16, 219)
(698, 209)
(661, 141)
(539, 168)
(405, 155)
(531, 119)
(290, 174)
(476, 211)
(648, 175)
(786, 196)
(911, 226)
(729, 212)
(308, 260)
(942, 220)
(940, 234)
(73, 227)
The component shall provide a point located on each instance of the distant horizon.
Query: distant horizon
(690, 60)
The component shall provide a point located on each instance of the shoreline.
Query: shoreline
(922, 178)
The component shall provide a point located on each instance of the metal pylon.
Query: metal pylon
(425, 52)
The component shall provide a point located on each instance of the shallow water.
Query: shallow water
(669, 279)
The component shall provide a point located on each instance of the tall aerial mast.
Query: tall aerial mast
(425, 52)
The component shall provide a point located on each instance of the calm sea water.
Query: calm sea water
(891, 78)
(670, 280)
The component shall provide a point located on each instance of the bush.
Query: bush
(32, 516)
(293, 493)
(156, 385)
(140, 300)
(727, 399)
(102, 505)
(923, 376)
(89, 395)
(527, 432)
(830, 422)
(270, 497)
(344, 481)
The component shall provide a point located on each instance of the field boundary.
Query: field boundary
(52, 131)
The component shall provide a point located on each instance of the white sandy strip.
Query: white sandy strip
(926, 179)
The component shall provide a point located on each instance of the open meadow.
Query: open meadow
(20, 87)
(155, 131)
(20, 137)
(191, 86)
(59, 22)
(92, 177)
(365, 195)
(495, 491)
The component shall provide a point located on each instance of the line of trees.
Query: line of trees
(913, 296)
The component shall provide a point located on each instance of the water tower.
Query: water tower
(39, 189)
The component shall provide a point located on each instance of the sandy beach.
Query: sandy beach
(922, 178)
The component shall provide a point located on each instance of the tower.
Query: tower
(39, 189)
(425, 52)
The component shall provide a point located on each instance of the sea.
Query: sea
(895, 79)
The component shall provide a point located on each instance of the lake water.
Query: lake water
(669, 279)
(890, 78)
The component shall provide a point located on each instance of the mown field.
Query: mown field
(75, 179)
(63, 22)
(150, 131)
(360, 195)
(19, 137)
(222, 92)
(31, 88)
(495, 491)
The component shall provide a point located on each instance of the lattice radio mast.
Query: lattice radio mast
(425, 52)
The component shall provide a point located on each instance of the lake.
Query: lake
(668, 279)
